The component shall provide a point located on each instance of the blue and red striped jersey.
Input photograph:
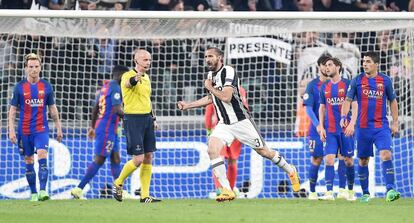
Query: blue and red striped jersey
(32, 101)
(311, 98)
(332, 95)
(108, 97)
(372, 95)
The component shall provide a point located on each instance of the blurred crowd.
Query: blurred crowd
(75, 66)
(214, 5)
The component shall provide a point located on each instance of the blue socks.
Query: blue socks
(90, 173)
(342, 173)
(313, 177)
(329, 177)
(31, 177)
(350, 176)
(115, 170)
(363, 175)
(43, 173)
(388, 173)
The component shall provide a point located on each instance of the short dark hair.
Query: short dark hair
(335, 60)
(216, 49)
(374, 56)
(118, 70)
(323, 58)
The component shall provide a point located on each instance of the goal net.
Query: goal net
(274, 54)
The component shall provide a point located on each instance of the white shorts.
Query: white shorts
(245, 131)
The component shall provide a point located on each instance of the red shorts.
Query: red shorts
(232, 152)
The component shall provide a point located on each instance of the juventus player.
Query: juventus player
(234, 122)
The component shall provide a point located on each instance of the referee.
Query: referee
(139, 125)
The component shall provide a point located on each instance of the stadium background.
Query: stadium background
(273, 68)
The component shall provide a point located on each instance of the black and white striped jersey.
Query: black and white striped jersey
(228, 113)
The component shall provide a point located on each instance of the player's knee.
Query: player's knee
(42, 154)
(349, 161)
(363, 161)
(115, 158)
(137, 159)
(99, 160)
(29, 159)
(316, 161)
(214, 146)
(148, 158)
(385, 155)
(330, 160)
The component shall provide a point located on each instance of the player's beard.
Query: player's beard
(212, 66)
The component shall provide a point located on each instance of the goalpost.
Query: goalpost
(274, 54)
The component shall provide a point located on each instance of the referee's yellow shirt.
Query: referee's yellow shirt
(137, 99)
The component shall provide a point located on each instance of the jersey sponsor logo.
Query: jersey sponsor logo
(335, 100)
(306, 96)
(35, 102)
(376, 94)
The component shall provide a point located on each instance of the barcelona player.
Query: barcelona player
(105, 118)
(372, 89)
(332, 95)
(32, 96)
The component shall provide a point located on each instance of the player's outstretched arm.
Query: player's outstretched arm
(55, 116)
(394, 114)
(182, 105)
(12, 117)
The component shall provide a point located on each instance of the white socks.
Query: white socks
(219, 170)
(281, 162)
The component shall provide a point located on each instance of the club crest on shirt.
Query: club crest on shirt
(41, 93)
(341, 91)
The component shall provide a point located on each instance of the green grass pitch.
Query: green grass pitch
(206, 210)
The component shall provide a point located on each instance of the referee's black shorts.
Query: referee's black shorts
(140, 135)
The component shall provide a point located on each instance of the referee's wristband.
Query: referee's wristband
(132, 81)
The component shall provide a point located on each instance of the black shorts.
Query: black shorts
(140, 135)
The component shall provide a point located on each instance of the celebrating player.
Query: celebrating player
(234, 122)
(31, 96)
(230, 153)
(372, 89)
(104, 123)
(332, 95)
